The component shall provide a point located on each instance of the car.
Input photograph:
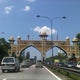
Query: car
(78, 65)
(25, 64)
(61, 64)
(39, 64)
(70, 64)
(10, 64)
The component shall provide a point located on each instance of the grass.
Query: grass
(74, 76)
(62, 76)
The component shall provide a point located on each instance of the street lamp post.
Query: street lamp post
(51, 24)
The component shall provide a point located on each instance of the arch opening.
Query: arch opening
(59, 54)
(32, 51)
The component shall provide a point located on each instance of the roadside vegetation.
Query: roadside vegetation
(4, 46)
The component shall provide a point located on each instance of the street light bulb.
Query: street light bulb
(64, 17)
(38, 16)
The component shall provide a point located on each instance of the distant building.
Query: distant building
(28, 55)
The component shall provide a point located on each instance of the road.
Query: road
(31, 73)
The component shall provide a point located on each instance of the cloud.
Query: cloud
(8, 9)
(31, 0)
(45, 29)
(27, 8)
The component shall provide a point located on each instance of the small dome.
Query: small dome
(11, 38)
(43, 33)
(75, 39)
(19, 37)
(67, 37)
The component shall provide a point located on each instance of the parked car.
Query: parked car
(61, 64)
(39, 64)
(70, 64)
(10, 64)
(78, 65)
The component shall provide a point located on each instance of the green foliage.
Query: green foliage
(78, 36)
(4, 46)
(14, 55)
(20, 59)
(73, 58)
(60, 56)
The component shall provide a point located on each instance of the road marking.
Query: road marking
(5, 79)
(53, 74)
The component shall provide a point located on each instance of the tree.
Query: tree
(4, 46)
(14, 55)
(78, 43)
(73, 58)
(78, 36)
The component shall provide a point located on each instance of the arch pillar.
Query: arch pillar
(43, 55)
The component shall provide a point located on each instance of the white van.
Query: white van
(10, 64)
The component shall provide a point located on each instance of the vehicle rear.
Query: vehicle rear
(38, 64)
(9, 64)
(26, 63)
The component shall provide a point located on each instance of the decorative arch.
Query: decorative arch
(61, 49)
(42, 46)
(30, 45)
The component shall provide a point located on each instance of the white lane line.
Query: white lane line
(53, 74)
(4, 79)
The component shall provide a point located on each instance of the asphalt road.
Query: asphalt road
(31, 73)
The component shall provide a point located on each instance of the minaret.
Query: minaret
(67, 40)
(19, 38)
(75, 40)
(11, 40)
(43, 36)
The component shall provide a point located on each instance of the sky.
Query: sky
(18, 18)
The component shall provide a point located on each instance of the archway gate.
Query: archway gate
(43, 46)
